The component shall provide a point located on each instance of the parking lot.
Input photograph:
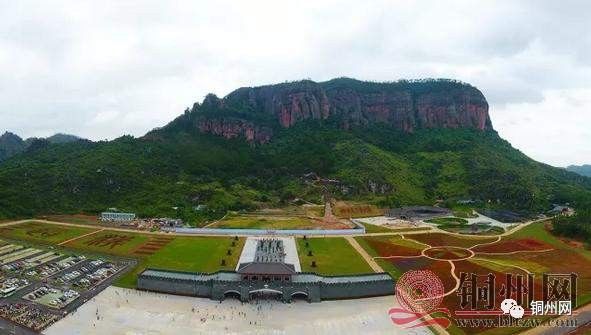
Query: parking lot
(39, 286)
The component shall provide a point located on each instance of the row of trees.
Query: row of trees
(577, 226)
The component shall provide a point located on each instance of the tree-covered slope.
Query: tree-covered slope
(389, 144)
(384, 166)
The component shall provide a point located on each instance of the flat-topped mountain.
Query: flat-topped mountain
(254, 112)
(388, 144)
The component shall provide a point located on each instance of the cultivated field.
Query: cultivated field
(344, 209)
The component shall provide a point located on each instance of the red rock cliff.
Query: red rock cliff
(403, 105)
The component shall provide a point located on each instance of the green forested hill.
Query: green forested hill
(151, 176)
(386, 143)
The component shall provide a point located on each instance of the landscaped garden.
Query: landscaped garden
(530, 250)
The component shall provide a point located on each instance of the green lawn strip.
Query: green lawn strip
(192, 254)
(333, 256)
(44, 233)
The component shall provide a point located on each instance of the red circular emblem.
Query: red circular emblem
(419, 291)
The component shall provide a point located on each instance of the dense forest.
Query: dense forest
(185, 170)
(576, 226)
(174, 169)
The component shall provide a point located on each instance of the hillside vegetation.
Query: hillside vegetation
(172, 170)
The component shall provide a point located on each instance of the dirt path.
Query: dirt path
(372, 263)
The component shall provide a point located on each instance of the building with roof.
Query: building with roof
(266, 277)
(117, 217)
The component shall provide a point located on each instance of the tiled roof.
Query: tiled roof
(266, 268)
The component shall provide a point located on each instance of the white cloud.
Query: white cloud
(553, 130)
(104, 69)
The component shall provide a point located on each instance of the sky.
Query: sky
(104, 69)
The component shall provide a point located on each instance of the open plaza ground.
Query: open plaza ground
(121, 311)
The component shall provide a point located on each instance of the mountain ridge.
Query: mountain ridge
(584, 170)
(255, 113)
(12, 144)
(174, 169)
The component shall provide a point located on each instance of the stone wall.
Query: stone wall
(314, 288)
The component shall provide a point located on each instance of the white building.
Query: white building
(117, 217)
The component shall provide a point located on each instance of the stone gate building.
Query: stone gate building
(267, 276)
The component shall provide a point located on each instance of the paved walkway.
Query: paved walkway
(372, 263)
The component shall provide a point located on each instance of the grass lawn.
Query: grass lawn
(333, 256)
(44, 233)
(265, 222)
(199, 254)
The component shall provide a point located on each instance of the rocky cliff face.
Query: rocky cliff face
(232, 128)
(407, 106)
